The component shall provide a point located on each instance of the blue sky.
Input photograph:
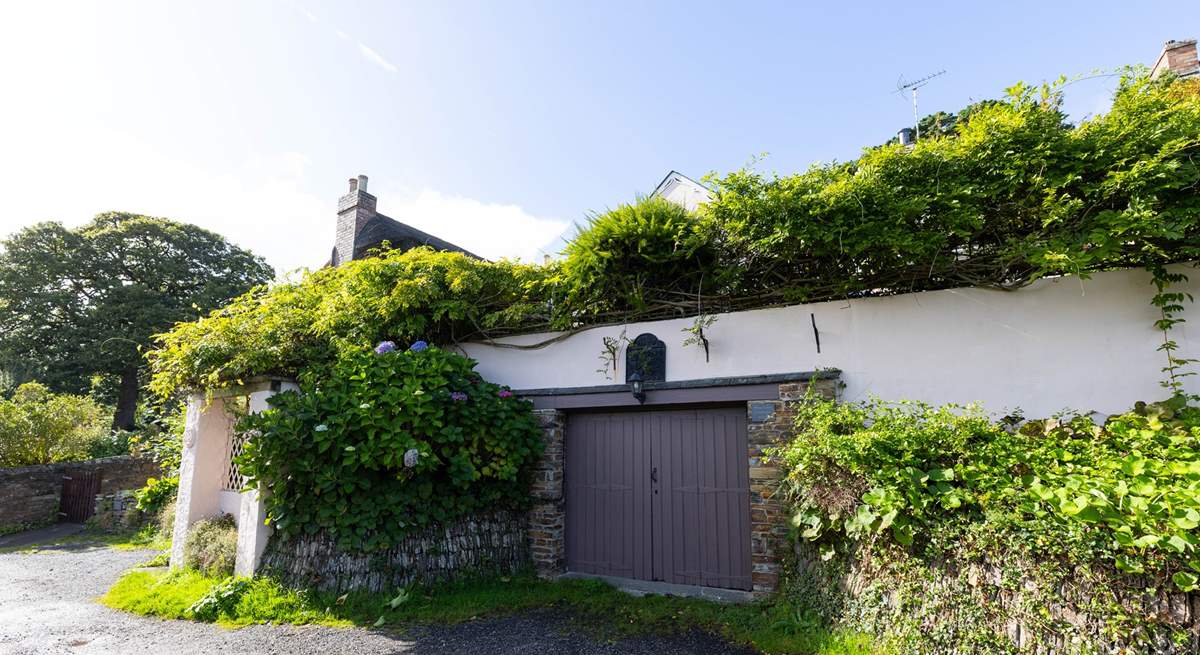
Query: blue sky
(492, 124)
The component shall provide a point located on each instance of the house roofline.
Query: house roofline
(674, 172)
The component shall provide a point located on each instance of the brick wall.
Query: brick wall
(29, 495)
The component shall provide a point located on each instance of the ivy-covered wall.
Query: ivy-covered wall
(965, 603)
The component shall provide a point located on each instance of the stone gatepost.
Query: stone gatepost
(547, 520)
(771, 424)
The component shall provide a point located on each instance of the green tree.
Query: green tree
(39, 427)
(80, 303)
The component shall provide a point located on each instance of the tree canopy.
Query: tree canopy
(1014, 194)
(85, 302)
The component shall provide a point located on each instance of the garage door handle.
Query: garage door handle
(654, 475)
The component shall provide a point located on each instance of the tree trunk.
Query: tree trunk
(127, 399)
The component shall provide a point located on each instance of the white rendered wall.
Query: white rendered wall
(1063, 343)
(202, 465)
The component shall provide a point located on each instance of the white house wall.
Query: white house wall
(1062, 343)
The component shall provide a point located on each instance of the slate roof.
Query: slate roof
(400, 236)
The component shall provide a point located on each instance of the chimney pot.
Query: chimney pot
(362, 183)
(353, 184)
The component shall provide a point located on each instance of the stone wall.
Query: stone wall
(771, 423)
(971, 605)
(488, 544)
(547, 519)
(116, 511)
(29, 495)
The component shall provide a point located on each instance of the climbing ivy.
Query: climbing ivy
(1125, 493)
(1014, 194)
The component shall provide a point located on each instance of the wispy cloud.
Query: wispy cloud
(377, 58)
(491, 230)
(365, 50)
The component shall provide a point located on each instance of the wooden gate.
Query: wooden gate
(79, 496)
(659, 495)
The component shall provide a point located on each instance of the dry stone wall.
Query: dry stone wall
(980, 605)
(484, 544)
(30, 495)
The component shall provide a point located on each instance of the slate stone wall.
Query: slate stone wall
(547, 519)
(30, 495)
(488, 544)
(986, 605)
(116, 511)
(771, 423)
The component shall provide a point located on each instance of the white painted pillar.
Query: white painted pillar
(205, 445)
(253, 531)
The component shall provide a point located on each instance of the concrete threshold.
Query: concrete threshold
(645, 587)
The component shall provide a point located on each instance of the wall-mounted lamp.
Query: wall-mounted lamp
(635, 385)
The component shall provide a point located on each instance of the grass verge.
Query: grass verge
(594, 606)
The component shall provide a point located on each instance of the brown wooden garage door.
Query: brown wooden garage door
(659, 495)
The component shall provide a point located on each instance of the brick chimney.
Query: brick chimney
(354, 210)
(1179, 57)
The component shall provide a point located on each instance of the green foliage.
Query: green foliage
(634, 255)
(1125, 494)
(211, 546)
(221, 599)
(81, 302)
(160, 439)
(1010, 195)
(40, 427)
(109, 444)
(1016, 195)
(157, 493)
(593, 607)
(302, 326)
(334, 455)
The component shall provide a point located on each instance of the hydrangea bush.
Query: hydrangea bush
(389, 442)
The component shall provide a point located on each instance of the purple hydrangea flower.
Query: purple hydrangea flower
(458, 396)
(505, 393)
(385, 347)
(418, 346)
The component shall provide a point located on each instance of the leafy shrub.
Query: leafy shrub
(1126, 493)
(389, 443)
(221, 599)
(211, 546)
(110, 444)
(1011, 195)
(157, 494)
(631, 255)
(40, 427)
(160, 438)
(302, 326)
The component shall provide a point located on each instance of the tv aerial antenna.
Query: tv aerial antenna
(902, 86)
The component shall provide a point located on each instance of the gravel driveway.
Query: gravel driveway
(47, 605)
